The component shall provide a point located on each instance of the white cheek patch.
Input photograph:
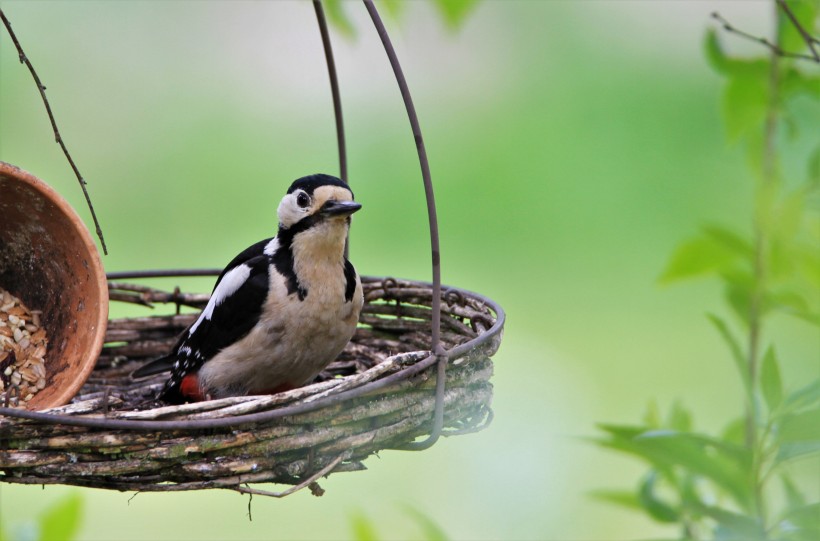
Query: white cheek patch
(289, 212)
(232, 281)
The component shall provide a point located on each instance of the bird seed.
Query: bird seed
(23, 345)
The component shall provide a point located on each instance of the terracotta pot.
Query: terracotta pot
(50, 262)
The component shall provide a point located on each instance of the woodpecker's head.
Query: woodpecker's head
(317, 199)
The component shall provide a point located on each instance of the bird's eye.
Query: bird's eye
(303, 199)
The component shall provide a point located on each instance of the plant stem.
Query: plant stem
(761, 225)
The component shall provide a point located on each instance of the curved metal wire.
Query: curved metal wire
(438, 351)
(334, 89)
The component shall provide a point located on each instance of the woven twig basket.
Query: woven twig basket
(380, 393)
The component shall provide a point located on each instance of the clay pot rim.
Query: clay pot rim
(89, 361)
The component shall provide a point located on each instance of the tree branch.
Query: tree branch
(774, 48)
(810, 40)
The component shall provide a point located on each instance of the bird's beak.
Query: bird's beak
(339, 208)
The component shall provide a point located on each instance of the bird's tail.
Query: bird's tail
(157, 366)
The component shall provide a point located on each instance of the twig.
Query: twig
(810, 40)
(391, 364)
(41, 87)
(295, 488)
(777, 50)
(488, 417)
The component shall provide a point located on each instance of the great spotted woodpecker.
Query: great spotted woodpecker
(280, 312)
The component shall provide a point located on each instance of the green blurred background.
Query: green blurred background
(572, 145)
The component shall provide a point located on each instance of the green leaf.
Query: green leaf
(801, 523)
(432, 531)
(804, 397)
(793, 495)
(788, 301)
(734, 453)
(722, 462)
(746, 99)
(796, 418)
(800, 427)
(737, 353)
(679, 418)
(62, 520)
(394, 8)
(714, 52)
(622, 498)
(455, 11)
(808, 262)
(657, 508)
(734, 526)
(799, 449)
(813, 177)
(622, 431)
(652, 417)
(363, 529)
(789, 215)
(790, 38)
(770, 384)
(730, 240)
(796, 82)
(737, 291)
(691, 499)
(806, 517)
(337, 16)
(698, 256)
(809, 317)
(735, 432)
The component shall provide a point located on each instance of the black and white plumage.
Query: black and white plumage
(282, 309)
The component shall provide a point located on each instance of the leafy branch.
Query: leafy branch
(810, 40)
(722, 487)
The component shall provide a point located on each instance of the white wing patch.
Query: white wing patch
(271, 247)
(232, 281)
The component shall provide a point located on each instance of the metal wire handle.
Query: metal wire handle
(440, 354)
(438, 351)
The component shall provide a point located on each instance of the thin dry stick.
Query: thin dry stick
(41, 87)
(777, 50)
(295, 488)
(810, 40)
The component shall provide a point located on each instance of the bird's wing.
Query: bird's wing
(252, 251)
(233, 310)
(166, 363)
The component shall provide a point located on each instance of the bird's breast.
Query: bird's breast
(294, 339)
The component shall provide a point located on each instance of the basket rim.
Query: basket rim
(269, 415)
